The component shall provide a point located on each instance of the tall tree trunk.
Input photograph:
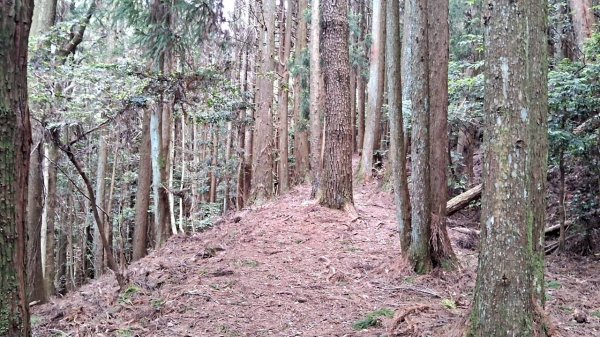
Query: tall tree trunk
(262, 174)
(416, 55)
(44, 16)
(15, 141)
(375, 91)
(100, 198)
(509, 292)
(398, 156)
(360, 86)
(439, 36)
(51, 221)
(283, 103)
(583, 21)
(35, 196)
(353, 108)
(212, 198)
(316, 90)
(142, 196)
(336, 187)
(301, 149)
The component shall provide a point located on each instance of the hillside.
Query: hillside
(293, 268)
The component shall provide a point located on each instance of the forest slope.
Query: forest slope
(293, 268)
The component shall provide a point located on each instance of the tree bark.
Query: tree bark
(100, 199)
(375, 91)
(283, 166)
(142, 196)
(462, 200)
(509, 292)
(316, 91)
(336, 187)
(301, 150)
(262, 173)
(416, 54)
(398, 156)
(35, 202)
(15, 142)
(439, 36)
(583, 21)
(44, 16)
(51, 221)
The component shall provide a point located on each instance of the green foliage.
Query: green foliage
(157, 34)
(372, 319)
(449, 303)
(552, 284)
(126, 296)
(596, 313)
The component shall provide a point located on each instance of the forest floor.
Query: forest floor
(294, 268)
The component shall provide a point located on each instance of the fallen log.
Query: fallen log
(462, 200)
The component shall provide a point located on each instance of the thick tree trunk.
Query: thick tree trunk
(15, 142)
(375, 91)
(316, 91)
(398, 156)
(416, 54)
(510, 278)
(35, 277)
(336, 184)
(142, 196)
(439, 36)
(262, 173)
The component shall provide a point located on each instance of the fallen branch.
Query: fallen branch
(418, 290)
(462, 200)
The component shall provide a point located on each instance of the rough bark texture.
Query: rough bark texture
(510, 276)
(360, 88)
(316, 89)
(583, 21)
(375, 90)
(336, 184)
(301, 150)
(262, 172)
(15, 144)
(439, 38)
(394, 87)
(283, 171)
(416, 54)
(142, 196)
(35, 202)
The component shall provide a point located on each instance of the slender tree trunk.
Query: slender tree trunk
(439, 36)
(353, 108)
(283, 103)
(375, 88)
(142, 196)
(35, 201)
(212, 198)
(100, 196)
(315, 98)
(398, 156)
(301, 144)
(51, 221)
(15, 141)
(509, 292)
(416, 54)
(360, 87)
(182, 182)
(44, 16)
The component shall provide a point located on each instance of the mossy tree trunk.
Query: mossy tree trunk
(510, 277)
(15, 144)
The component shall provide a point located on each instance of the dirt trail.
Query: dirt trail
(293, 268)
